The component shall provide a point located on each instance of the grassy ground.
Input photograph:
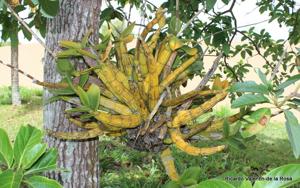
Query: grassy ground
(124, 167)
(30, 112)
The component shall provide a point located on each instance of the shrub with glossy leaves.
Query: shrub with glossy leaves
(23, 163)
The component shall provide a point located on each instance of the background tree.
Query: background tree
(10, 31)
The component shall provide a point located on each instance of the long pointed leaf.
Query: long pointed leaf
(293, 130)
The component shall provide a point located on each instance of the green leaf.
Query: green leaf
(249, 86)
(226, 48)
(262, 76)
(282, 176)
(33, 154)
(243, 54)
(214, 183)
(226, 1)
(68, 53)
(49, 8)
(174, 25)
(260, 113)
(64, 66)
(236, 143)
(172, 184)
(45, 163)
(26, 139)
(248, 99)
(26, 33)
(289, 81)
(83, 79)
(84, 98)
(226, 128)
(6, 152)
(246, 184)
(42, 182)
(65, 91)
(128, 30)
(94, 96)
(78, 109)
(190, 176)
(293, 129)
(189, 50)
(10, 179)
(210, 4)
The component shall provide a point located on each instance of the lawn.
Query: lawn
(125, 167)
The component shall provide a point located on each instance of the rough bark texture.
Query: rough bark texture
(79, 158)
(15, 90)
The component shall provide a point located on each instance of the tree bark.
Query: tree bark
(15, 90)
(79, 158)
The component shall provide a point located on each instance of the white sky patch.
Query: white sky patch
(246, 12)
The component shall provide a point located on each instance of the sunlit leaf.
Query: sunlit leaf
(283, 176)
(249, 86)
(42, 182)
(293, 130)
(249, 99)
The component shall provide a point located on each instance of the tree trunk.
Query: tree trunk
(79, 158)
(15, 90)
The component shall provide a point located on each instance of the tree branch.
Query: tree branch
(230, 69)
(242, 26)
(256, 47)
(220, 14)
(189, 22)
(204, 81)
(276, 68)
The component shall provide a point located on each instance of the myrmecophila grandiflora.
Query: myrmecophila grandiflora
(135, 92)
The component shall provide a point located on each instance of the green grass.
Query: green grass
(122, 166)
(30, 112)
(4, 44)
(27, 95)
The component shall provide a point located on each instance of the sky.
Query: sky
(246, 13)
